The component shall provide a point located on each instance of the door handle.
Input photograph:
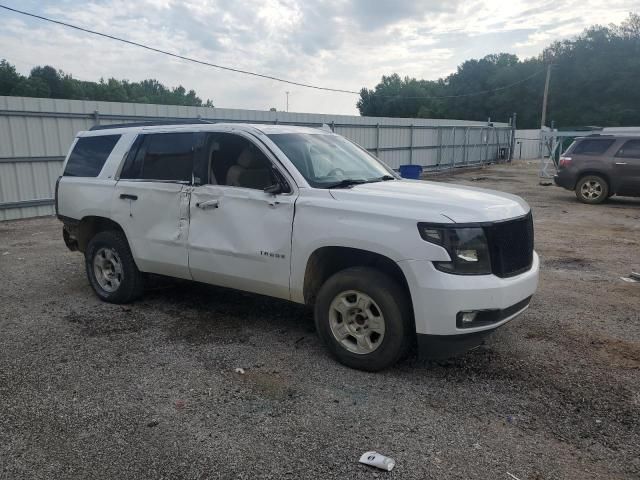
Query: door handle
(127, 196)
(621, 163)
(208, 204)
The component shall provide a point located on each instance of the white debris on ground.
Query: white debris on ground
(378, 460)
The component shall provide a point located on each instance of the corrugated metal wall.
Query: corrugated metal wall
(35, 134)
(527, 144)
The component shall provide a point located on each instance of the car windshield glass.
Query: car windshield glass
(330, 161)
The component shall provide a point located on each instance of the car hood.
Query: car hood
(436, 202)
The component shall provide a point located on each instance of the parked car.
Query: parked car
(599, 166)
(305, 215)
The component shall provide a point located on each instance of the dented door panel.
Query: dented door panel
(155, 219)
(241, 238)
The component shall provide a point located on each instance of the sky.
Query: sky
(345, 44)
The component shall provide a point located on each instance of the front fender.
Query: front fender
(325, 224)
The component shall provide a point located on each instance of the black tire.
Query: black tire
(592, 189)
(130, 280)
(394, 305)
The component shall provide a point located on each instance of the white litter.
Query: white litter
(378, 460)
(5, 253)
(513, 476)
(239, 370)
(629, 279)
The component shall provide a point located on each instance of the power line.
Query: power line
(254, 74)
(182, 57)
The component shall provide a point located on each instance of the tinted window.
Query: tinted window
(89, 154)
(234, 161)
(162, 156)
(592, 147)
(630, 149)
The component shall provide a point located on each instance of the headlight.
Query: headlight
(467, 247)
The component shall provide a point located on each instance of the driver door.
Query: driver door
(239, 235)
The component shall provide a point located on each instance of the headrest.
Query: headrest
(248, 158)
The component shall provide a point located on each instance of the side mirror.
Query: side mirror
(274, 189)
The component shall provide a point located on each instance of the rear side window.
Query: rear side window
(631, 149)
(592, 147)
(89, 154)
(162, 157)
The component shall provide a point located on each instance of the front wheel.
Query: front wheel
(364, 318)
(592, 189)
(111, 270)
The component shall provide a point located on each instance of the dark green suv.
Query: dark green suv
(599, 166)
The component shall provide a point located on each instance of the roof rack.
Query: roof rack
(152, 124)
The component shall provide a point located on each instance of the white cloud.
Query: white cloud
(344, 44)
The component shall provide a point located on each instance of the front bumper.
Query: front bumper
(438, 297)
(438, 347)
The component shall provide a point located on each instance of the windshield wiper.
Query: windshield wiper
(383, 178)
(346, 183)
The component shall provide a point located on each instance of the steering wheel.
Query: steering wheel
(334, 171)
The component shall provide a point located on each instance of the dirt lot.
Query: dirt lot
(92, 390)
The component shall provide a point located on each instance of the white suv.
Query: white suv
(305, 215)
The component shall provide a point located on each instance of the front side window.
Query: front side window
(631, 149)
(327, 161)
(591, 147)
(234, 161)
(162, 157)
(89, 155)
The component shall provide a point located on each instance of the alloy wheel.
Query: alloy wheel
(107, 269)
(356, 322)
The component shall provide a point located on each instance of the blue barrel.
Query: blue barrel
(410, 171)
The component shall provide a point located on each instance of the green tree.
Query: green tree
(594, 82)
(47, 82)
(9, 78)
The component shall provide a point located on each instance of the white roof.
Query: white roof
(267, 129)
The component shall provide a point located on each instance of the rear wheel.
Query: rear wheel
(363, 318)
(592, 189)
(111, 270)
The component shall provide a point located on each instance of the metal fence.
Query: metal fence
(528, 144)
(35, 134)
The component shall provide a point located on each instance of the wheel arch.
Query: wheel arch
(598, 173)
(78, 234)
(327, 260)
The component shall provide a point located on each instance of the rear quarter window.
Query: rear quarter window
(592, 147)
(89, 154)
(631, 149)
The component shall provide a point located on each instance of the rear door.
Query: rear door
(239, 235)
(151, 201)
(627, 168)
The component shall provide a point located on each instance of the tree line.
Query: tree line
(47, 82)
(594, 81)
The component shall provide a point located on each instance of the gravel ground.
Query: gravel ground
(92, 390)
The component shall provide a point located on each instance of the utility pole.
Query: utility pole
(287, 100)
(544, 98)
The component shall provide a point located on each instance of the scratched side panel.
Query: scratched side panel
(245, 242)
(156, 224)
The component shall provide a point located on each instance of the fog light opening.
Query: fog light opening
(468, 317)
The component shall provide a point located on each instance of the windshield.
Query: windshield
(328, 161)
